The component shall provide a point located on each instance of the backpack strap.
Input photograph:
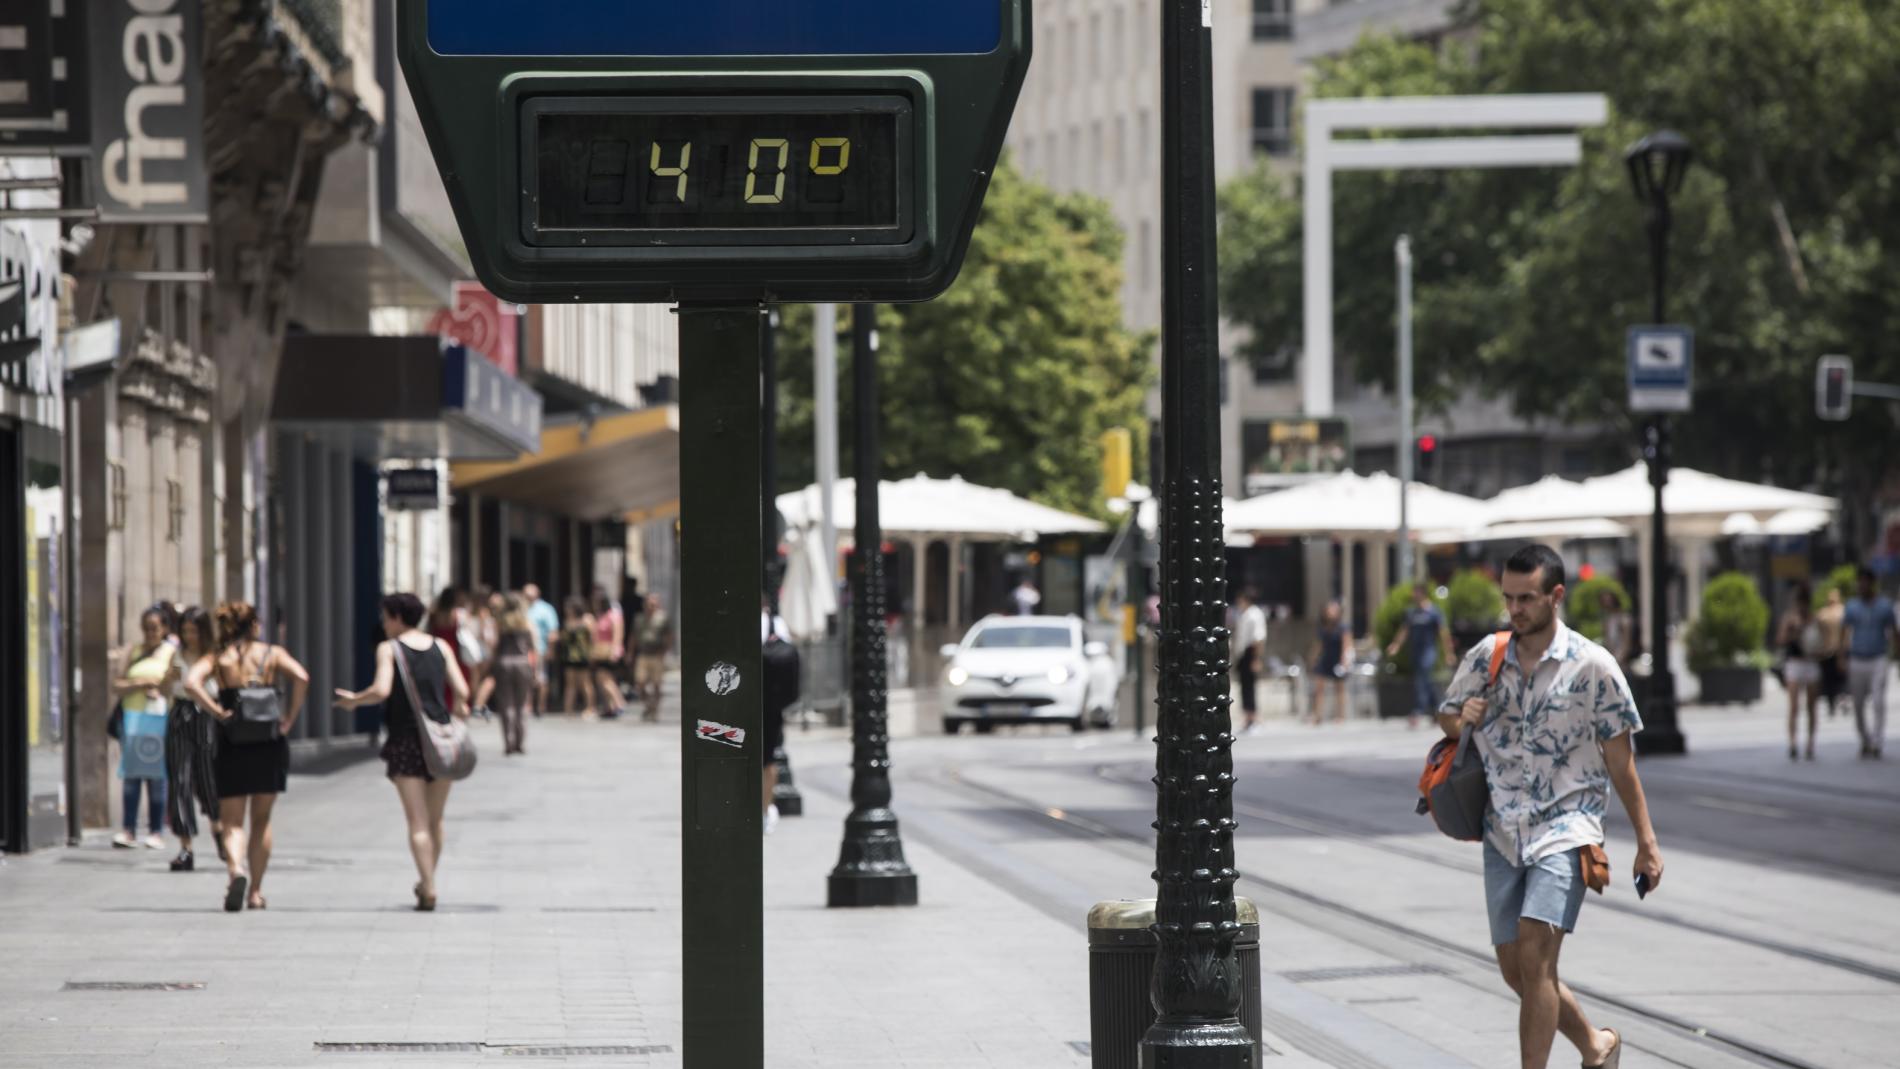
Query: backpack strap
(1500, 646)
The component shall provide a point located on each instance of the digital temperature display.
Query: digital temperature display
(637, 171)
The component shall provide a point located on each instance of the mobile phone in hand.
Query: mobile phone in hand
(1642, 885)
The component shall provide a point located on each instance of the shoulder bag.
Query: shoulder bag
(448, 750)
(259, 716)
(1453, 788)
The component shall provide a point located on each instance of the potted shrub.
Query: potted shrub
(1725, 640)
(1845, 579)
(1474, 606)
(1395, 672)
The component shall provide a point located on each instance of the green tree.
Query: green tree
(1011, 377)
(1784, 246)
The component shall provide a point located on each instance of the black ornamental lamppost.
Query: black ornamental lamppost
(1657, 164)
(871, 869)
(1196, 987)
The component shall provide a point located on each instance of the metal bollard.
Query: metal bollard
(1121, 961)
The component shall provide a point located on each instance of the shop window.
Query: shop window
(1272, 20)
(1273, 120)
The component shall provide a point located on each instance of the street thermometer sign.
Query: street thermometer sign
(723, 155)
(715, 150)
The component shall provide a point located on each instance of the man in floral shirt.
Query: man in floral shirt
(1554, 733)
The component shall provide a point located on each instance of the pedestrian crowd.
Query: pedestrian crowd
(202, 723)
(1838, 649)
(204, 708)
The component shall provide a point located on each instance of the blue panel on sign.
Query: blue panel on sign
(713, 27)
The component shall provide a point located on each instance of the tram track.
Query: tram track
(1140, 843)
(1374, 839)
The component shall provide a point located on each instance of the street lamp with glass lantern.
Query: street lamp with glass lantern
(1657, 165)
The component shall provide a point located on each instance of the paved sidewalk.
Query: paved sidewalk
(557, 929)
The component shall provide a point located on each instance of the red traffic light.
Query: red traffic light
(1428, 443)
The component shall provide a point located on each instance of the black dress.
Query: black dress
(251, 767)
(402, 744)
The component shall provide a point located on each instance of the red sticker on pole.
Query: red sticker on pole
(724, 734)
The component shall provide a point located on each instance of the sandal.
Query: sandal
(424, 903)
(257, 902)
(234, 893)
(1613, 1059)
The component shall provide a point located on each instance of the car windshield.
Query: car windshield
(1021, 638)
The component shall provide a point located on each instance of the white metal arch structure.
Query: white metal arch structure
(1324, 118)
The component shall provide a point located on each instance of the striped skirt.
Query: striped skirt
(191, 738)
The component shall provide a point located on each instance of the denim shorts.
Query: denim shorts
(1549, 890)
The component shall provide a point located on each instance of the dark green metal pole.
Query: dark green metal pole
(721, 691)
(871, 869)
(1196, 985)
(1661, 733)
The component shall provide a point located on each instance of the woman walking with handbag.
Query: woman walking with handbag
(191, 740)
(413, 669)
(141, 697)
(514, 671)
(252, 765)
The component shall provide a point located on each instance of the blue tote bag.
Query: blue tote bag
(142, 746)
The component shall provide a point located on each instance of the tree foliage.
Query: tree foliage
(1786, 241)
(1011, 377)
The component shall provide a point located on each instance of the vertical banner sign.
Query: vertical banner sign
(148, 111)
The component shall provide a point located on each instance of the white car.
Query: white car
(1028, 670)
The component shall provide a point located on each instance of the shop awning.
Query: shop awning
(395, 398)
(608, 467)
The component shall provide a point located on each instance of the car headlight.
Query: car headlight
(956, 676)
(1059, 674)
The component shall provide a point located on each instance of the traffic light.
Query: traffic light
(1425, 459)
(1834, 387)
(1118, 462)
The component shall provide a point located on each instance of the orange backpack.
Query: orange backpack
(1452, 788)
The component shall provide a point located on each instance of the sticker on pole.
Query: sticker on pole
(1661, 368)
(722, 678)
(724, 734)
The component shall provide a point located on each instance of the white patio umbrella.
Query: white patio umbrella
(1531, 530)
(922, 509)
(1354, 505)
(810, 593)
(922, 505)
(1354, 508)
(1697, 503)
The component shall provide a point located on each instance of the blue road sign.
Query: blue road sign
(713, 27)
(1661, 368)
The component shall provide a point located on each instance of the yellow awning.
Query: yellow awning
(624, 463)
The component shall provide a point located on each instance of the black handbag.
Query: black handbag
(259, 715)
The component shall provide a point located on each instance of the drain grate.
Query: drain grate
(399, 1048)
(1360, 972)
(134, 985)
(507, 1050)
(522, 1050)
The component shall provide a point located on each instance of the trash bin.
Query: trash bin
(1121, 961)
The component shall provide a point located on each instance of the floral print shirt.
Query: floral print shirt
(1541, 742)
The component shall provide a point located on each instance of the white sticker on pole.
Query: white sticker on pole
(1207, 13)
(724, 734)
(722, 678)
